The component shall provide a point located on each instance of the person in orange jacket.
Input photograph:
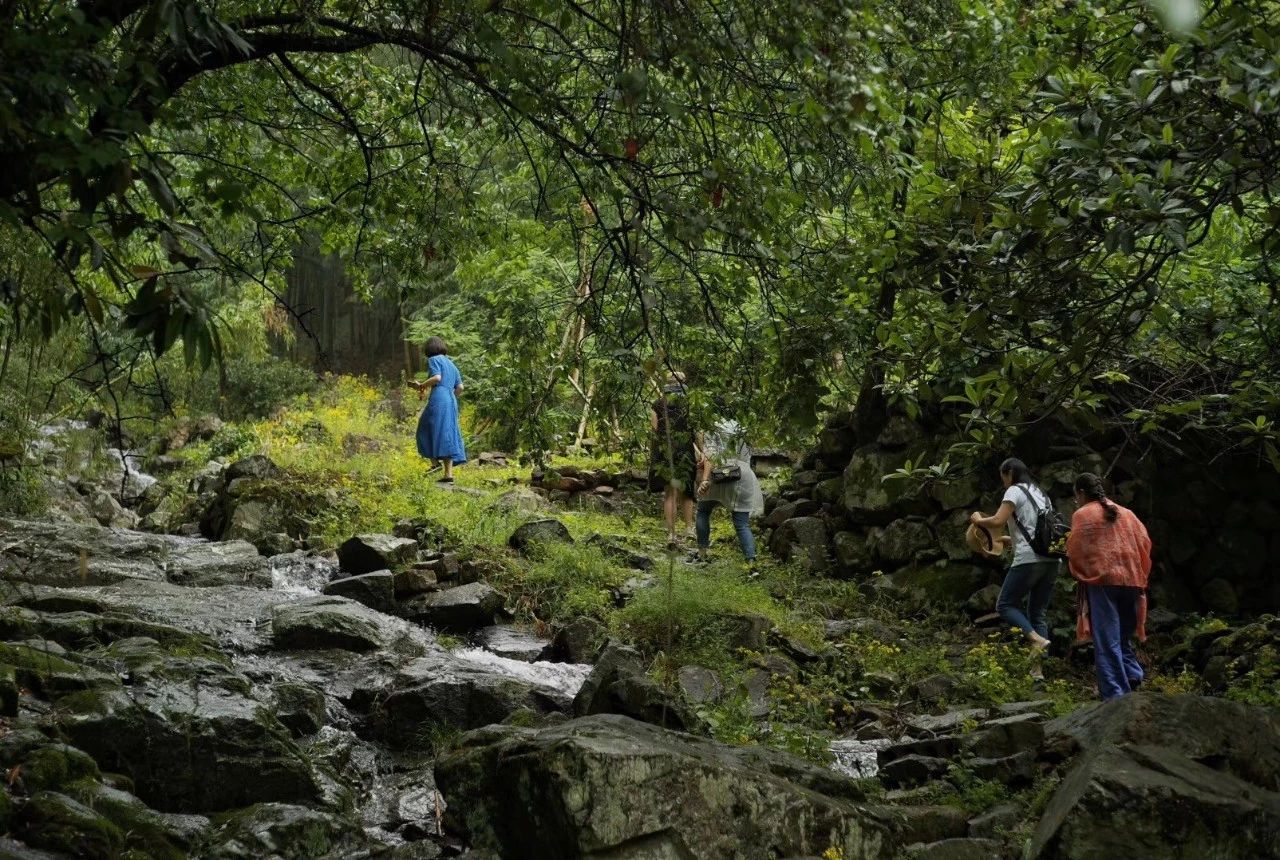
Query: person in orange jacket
(1109, 554)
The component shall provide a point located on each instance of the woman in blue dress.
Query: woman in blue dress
(439, 435)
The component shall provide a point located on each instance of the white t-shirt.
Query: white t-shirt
(1026, 514)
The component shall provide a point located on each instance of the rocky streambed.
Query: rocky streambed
(164, 696)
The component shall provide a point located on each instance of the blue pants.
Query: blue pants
(702, 528)
(1030, 586)
(1113, 615)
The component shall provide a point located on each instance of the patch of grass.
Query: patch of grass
(692, 615)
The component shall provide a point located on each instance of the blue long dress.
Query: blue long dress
(439, 436)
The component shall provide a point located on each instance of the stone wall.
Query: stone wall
(1215, 525)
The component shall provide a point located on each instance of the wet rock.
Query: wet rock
(700, 685)
(618, 685)
(37, 667)
(147, 832)
(190, 737)
(414, 581)
(931, 824)
(606, 785)
(1160, 775)
(58, 823)
(943, 723)
(955, 849)
(911, 770)
(539, 531)
(407, 804)
(439, 690)
(52, 766)
(459, 609)
(300, 707)
(275, 830)
(578, 641)
(995, 821)
(328, 622)
(514, 643)
(802, 538)
(69, 554)
(275, 543)
(108, 512)
(368, 553)
(375, 590)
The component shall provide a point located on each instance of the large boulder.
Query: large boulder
(368, 553)
(618, 685)
(459, 609)
(375, 590)
(870, 499)
(441, 691)
(802, 538)
(942, 584)
(904, 540)
(609, 786)
(70, 554)
(187, 733)
(1165, 776)
(329, 622)
(539, 531)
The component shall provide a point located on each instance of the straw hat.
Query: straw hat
(982, 543)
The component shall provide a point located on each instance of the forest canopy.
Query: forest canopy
(1006, 209)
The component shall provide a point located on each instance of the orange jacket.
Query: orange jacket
(1100, 552)
(1109, 553)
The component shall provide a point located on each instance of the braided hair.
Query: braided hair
(1090, 486)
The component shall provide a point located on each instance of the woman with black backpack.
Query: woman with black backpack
(1028, 586)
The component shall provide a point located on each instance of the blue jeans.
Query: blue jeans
(741, 519)
(1113, 615)
(1031, 586)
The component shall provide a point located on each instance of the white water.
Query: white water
(303, 575)
(135, 480)
(566, 678)
(857, 758)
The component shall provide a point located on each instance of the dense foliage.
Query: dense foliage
(1022, 208)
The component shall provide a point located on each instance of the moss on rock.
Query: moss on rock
(52, 767)
(57, 823)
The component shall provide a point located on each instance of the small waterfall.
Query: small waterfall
(857, 759)
(134, 479)
(301, 574)
(564, 678)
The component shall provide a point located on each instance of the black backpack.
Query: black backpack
(1048, 536)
